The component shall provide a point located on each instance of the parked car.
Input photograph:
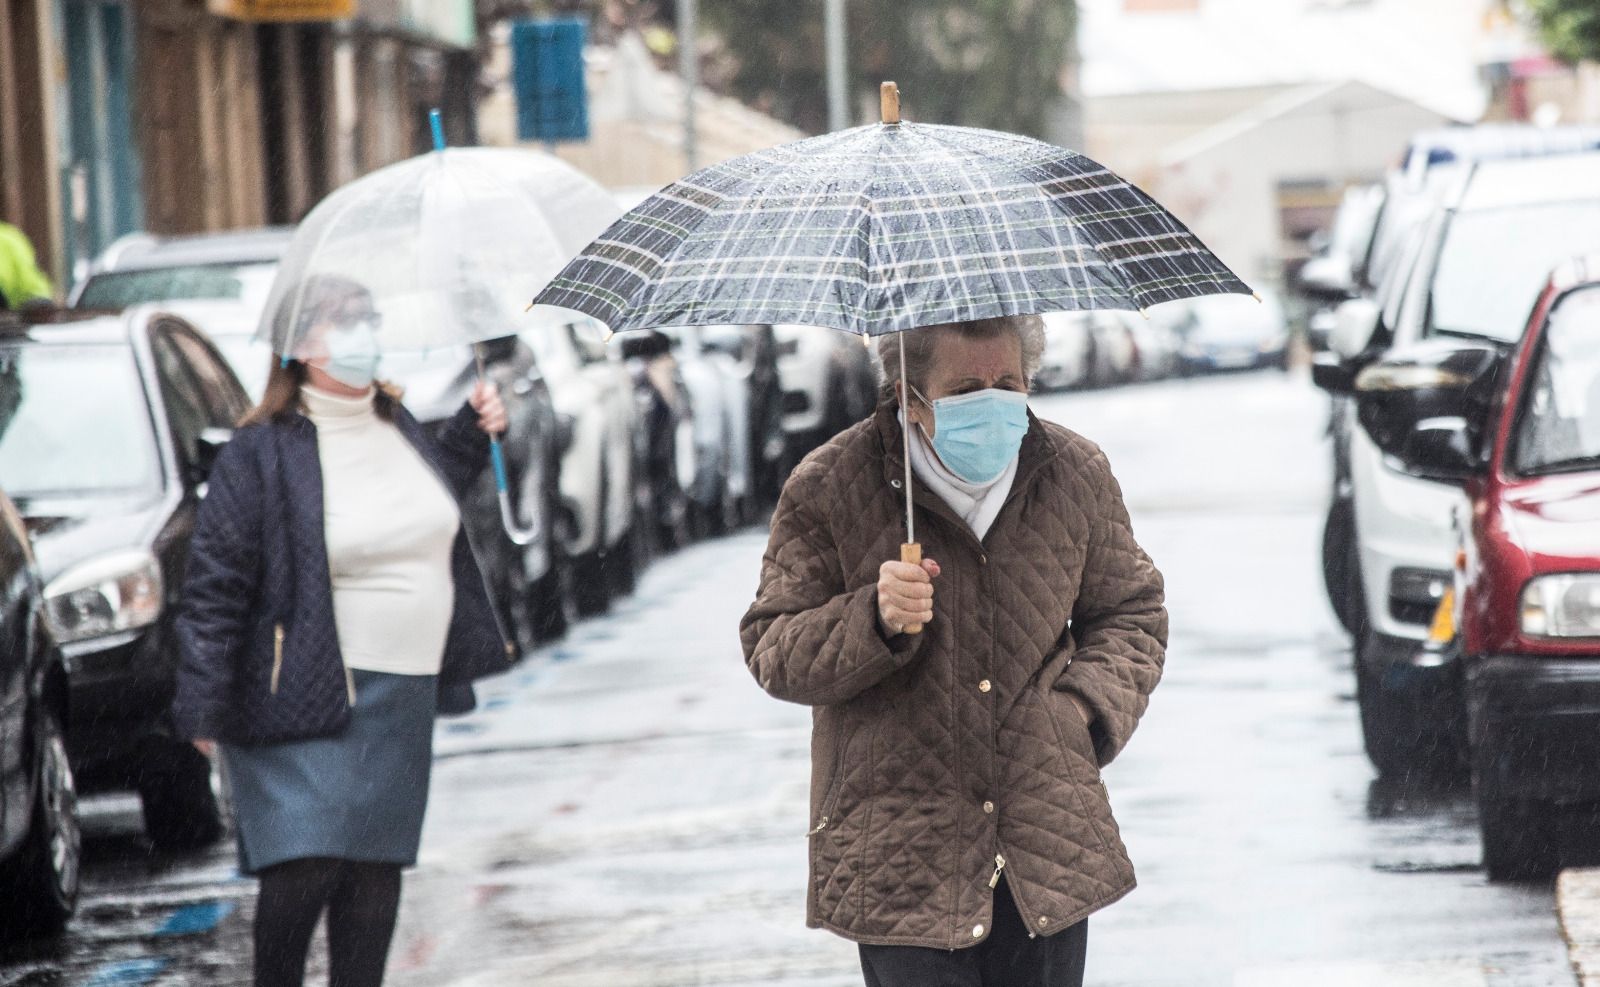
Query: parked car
(1470, 272)
(1332, 276)
(754, 350)
(1233, 332)
(591, 388)
(40, 845)
(238, 265)
(829, 383)
(111, 423)
(219, 282)
(1520, 432)
(721, 491)
(1068, 350)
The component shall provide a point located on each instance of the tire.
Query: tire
(39, 884)
(591, 588)
(1398, 741)
(1341, 567)
(1517, 846)
(181, 812)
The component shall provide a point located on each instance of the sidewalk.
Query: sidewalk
(1578, 908)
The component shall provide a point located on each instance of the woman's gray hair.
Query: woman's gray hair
(920, 345)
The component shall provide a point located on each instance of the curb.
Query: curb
(1578, 913)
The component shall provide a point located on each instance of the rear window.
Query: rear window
(1493, 264)
(248, 283)
(74, 423)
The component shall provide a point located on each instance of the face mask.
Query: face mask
(977, 435)
(352, 355)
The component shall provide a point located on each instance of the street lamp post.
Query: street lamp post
(689, 70)
(833, 33)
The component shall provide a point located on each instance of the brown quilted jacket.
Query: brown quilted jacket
(934, 756)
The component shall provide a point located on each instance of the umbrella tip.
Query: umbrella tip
(1257, 296)
(889, 96)
(1146, 313)
(437, 123)
(866, 340)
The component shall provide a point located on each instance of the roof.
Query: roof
(63, 326)
(1431, 148)
(143, 251)
(1532, 181)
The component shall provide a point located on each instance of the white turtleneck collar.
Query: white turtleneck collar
(334, 410)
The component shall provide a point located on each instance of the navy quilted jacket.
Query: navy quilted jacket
(259, 654)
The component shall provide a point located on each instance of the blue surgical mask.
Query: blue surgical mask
(352, 354)
(977, 435)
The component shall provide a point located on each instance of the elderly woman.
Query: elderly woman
(331, 608)
(960, 832)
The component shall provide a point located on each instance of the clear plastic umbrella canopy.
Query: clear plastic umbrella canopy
(446, 247)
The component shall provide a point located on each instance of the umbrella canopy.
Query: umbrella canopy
(888, 227)
(445, 243)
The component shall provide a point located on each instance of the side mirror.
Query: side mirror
(1443, 448)
(1427, 405)
(1332, 374)
(1355, 322)
(207, 449)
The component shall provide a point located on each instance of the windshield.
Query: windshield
(1493, 264)
(74, 422)
(247, 283)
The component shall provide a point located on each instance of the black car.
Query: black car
(39, 841)
(108, 425)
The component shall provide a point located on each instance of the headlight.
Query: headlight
(1562, 606)
(119, 592)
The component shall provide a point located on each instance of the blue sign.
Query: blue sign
(547, 75)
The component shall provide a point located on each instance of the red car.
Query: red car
(1524, 618)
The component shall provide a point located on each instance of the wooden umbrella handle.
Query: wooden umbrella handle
(911, 552)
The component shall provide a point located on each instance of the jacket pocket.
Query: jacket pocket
(830, 797)
(1077, 745)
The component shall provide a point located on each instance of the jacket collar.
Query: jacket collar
(1037, 451)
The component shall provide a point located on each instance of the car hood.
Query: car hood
(66, 533)
(1556, 520)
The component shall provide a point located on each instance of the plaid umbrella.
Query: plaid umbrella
(885, 228)
(889, 227)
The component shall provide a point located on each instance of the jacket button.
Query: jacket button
(895, 484)
(977, 931)
(984, 686)
(1043, 921)
(988, 808)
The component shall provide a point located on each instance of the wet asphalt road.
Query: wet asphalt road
(629, 809)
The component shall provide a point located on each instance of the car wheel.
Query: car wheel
(1517, 846)
(1397, 740)
(181, 811)
(1341, 567)
(591, 588)
(39, 884)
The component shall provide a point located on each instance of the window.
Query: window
(1559, 427)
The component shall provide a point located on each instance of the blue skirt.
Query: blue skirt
(358, 796)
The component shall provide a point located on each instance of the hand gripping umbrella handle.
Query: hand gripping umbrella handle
(911, 552)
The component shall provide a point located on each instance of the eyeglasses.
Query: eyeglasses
(351, 320)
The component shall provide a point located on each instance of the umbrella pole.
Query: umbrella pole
(910, 551)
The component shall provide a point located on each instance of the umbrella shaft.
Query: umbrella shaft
(905, 435)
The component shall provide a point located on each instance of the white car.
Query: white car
(829, 382)
(719, 395)
(1474, 270)
(592, 389)
(1067, 346)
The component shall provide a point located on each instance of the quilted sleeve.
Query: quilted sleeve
(809, 638)
(219, 587)
(1119, 623)
(463, 450)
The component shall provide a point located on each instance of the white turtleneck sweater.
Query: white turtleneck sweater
(978, 504)
(390, 525)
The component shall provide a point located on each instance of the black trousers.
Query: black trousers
(1008, 958)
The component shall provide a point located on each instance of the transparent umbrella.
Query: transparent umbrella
(446, 245)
